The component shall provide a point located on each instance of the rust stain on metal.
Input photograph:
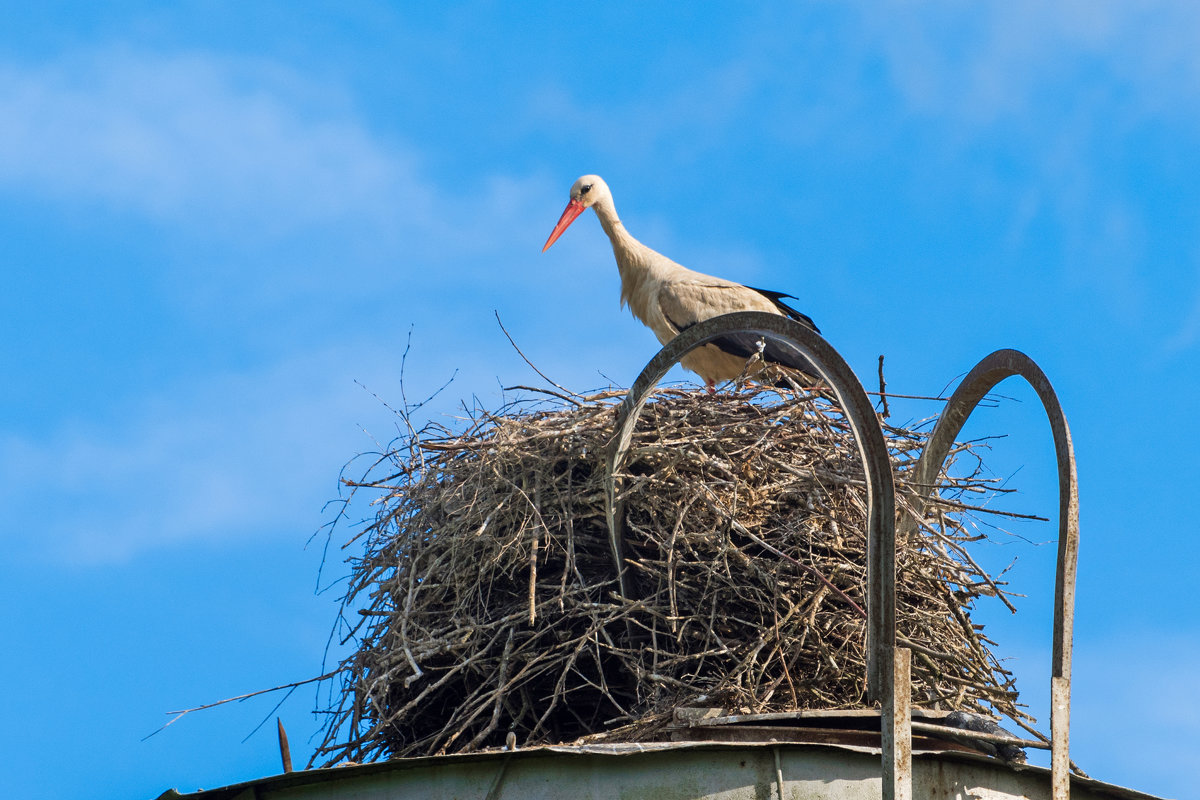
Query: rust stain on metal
(1060, 727)
(897, 731)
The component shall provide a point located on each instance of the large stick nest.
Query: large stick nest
(485, 600)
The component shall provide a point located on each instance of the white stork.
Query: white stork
(669, 298)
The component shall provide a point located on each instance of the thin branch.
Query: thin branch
(289, 686)
(565, 391)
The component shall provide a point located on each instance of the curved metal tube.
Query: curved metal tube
(881, 539)
(979, 381)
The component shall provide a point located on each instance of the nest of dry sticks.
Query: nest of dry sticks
(485, 599)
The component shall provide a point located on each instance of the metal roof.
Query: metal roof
(730, 771)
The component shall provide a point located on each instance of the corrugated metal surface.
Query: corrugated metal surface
(663, 771)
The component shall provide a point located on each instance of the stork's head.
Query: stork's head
(587, 192)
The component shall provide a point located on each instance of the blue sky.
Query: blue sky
(220, 220)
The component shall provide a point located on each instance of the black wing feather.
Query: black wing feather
(788, 311)
(745, 345)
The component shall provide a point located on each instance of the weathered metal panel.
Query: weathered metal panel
(665, 772)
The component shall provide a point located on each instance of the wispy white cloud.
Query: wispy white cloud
(213, 458)
(236, 455)
(1074, 96)
(982, 62)
(196, 138)
(237, 149)
(248, 156)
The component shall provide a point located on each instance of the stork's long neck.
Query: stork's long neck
(611, 223)
(635, 261)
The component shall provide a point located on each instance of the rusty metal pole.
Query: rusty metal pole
(897, 735)
(978, 382)
(881, 533)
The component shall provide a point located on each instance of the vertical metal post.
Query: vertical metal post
(897, 731)
(1060, 728)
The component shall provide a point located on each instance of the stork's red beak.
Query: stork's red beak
(573, 210)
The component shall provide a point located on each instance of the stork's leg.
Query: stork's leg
(711, 387)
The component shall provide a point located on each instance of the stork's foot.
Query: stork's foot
(711, 387)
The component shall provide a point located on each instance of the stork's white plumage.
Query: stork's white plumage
(669, 297)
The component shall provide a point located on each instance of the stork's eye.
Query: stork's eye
(585, 190)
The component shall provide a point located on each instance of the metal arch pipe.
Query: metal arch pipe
(978, 382)
(888, 679)
(881, 540)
